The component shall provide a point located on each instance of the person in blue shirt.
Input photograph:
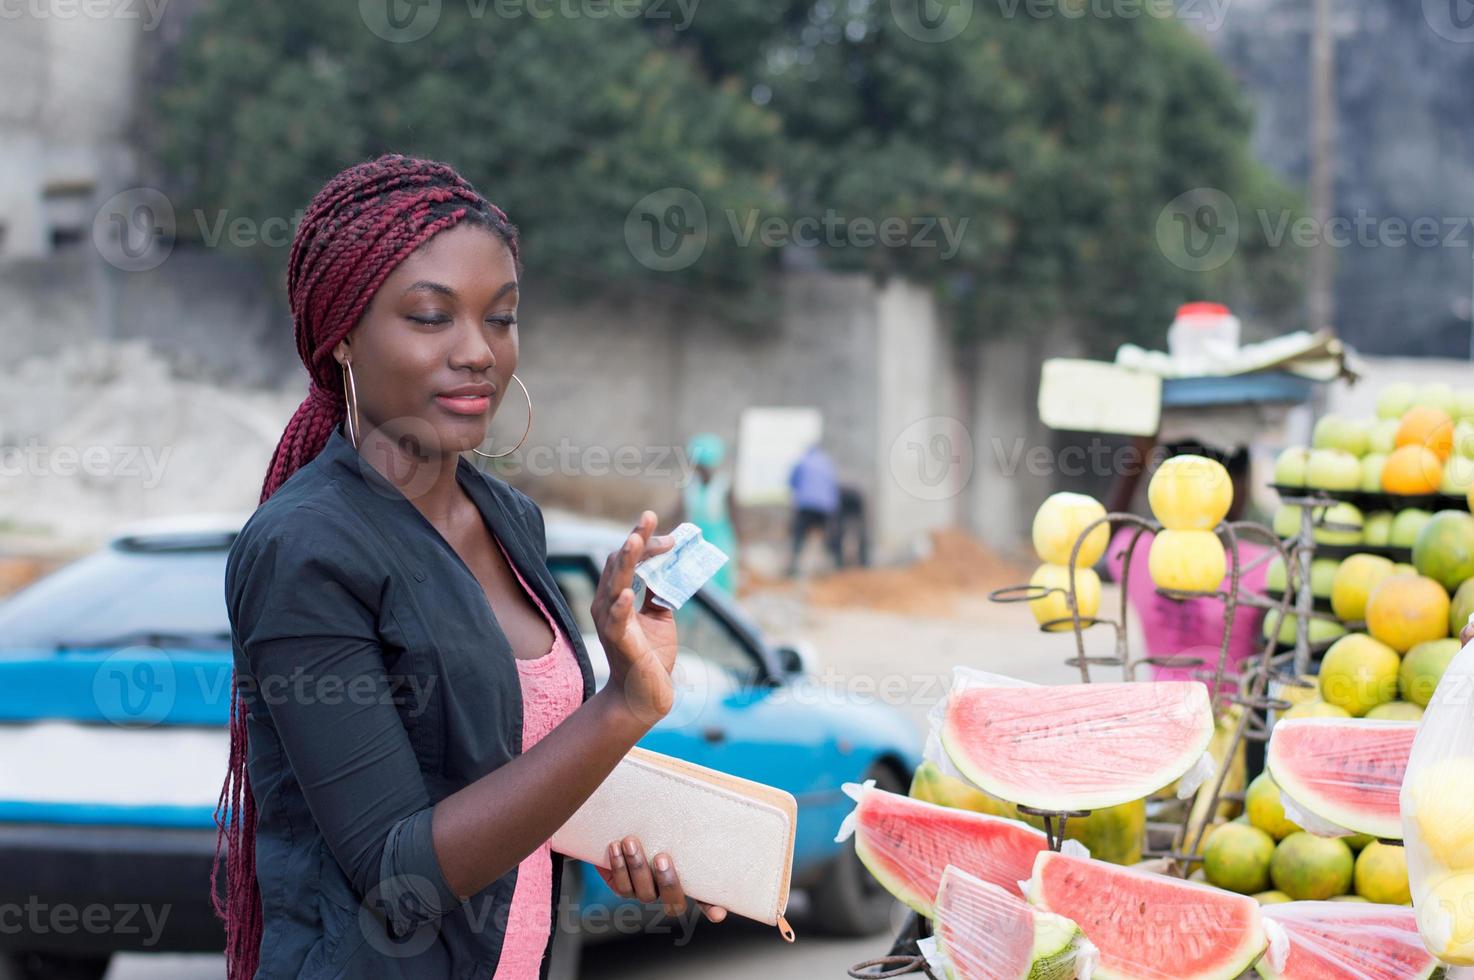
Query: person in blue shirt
(815, 503)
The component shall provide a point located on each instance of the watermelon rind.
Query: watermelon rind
(1057, 942)
(910, 817)
(996, 917)
(1357, 921)
(1290, 779)
(1053, 934)
(1043, 790)
(1115, 882)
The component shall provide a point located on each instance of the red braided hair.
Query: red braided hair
(362, 224)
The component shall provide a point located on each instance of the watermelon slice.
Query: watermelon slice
(982, 932)
(1348, 941)
(1148, 926)
(907, 844)
(1347, 771)
(1077, 747)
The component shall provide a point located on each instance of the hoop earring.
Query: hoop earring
(351, 416)
(528, 396)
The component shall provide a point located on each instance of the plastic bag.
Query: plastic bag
(1352, 940)
(963, 678)
(1438, 816)
(907, 844)
(981, 932)
(1340, 776)
(1309, 822)
(1075, 746)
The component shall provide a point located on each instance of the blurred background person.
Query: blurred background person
(1192, 627)
(853, 535)
(815, 504)
(706, 501)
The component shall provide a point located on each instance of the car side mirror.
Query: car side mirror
(797, 659)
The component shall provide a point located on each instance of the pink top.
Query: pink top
(552, 688)
(1193, 627)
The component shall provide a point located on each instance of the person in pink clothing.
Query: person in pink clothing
(1193, 627)
(552, 689)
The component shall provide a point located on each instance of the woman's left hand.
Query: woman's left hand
(629, 875)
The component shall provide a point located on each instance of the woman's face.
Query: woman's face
(444, 320)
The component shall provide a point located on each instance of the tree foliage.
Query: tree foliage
(1057, 139)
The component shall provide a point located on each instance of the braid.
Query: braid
(358, 228)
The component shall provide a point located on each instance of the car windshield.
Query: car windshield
(115, 597)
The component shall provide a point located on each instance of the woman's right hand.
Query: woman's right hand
(1467, 633)
(640, 645)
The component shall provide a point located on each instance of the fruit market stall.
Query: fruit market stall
(1113, 828)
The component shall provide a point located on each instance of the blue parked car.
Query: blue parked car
(115, 694)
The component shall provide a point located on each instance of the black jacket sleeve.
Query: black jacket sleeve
(303, 609)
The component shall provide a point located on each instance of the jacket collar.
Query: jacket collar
(491, 497)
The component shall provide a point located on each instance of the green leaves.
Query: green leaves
(1048, 145)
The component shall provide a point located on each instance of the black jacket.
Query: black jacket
(377, 682)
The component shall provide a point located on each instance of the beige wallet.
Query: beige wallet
(731, 839)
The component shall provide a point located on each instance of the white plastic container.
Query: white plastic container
(1203, 333)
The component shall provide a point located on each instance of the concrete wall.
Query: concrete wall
(69, 87)
(618, 390)
(213, 316)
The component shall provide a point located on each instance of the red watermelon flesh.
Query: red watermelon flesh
(1148, 926)
(1080, 746)
(907, 844)
(1345, 770)
(1348, 941)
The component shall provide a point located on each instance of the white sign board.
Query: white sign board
(769, 442)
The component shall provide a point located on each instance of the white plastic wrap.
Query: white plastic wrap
(1353, 940)
(907, 844)
(982, 932)
(1309, 822)
(1341, 776)
(963, 678)
(1149, 926)
(1438, 816)
(1074, 746)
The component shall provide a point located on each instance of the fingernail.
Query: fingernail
(662, 863)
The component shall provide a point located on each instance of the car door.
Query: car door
(726, 715)
(694, 725)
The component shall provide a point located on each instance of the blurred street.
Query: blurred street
(855, 645)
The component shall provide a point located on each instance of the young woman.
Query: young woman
(413, 713)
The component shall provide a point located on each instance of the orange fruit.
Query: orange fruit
(1429, 427)
(1405, 610)
(1412, 470)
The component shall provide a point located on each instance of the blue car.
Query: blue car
(114, 701)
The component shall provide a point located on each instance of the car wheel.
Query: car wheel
(849, 901)
(49, 966)
(568, 940)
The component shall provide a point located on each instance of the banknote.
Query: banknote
(674, 577)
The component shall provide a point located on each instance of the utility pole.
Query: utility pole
(1320, 307)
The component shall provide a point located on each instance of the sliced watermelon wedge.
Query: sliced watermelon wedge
(1080, 746)
(1348, 941)
(1148, 926)
(907, 844)
(982, 932)
(1347, 771)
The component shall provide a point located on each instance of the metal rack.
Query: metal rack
(1248, 691)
